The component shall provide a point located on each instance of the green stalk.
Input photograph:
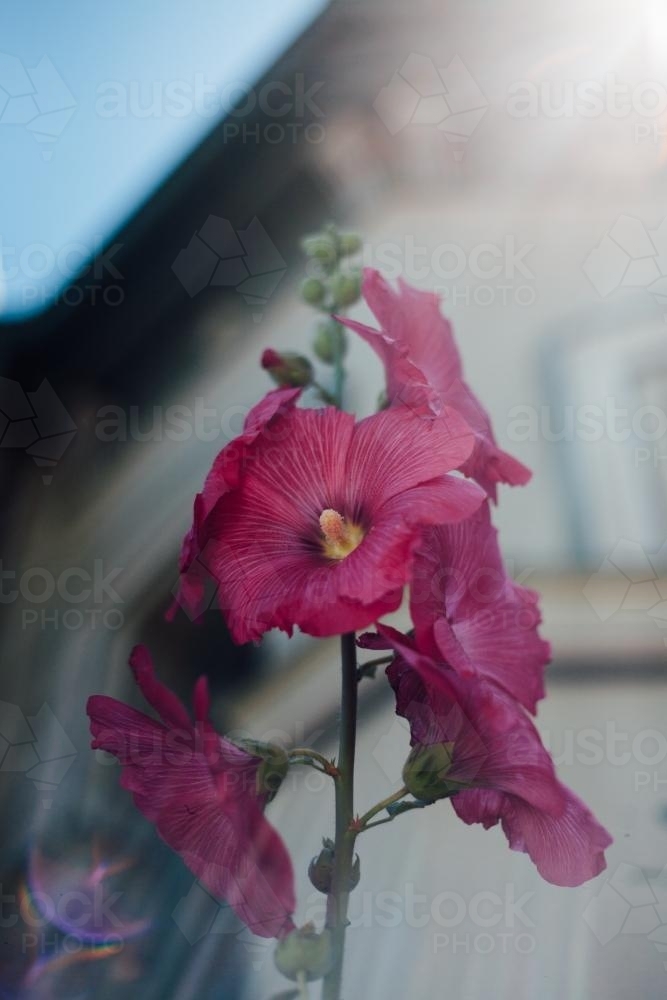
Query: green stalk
(339, 374)
(337, 901)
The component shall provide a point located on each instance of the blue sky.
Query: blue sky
(82, 186)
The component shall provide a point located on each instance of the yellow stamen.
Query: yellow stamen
(340, 537)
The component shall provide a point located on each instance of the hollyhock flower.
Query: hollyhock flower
(424, 371)
(469, 612)
(321, 527)
(204, 794)
(490, 760)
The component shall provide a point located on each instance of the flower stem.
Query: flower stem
(337, 900)
(339, 377)
(369, 668)
(390, 800)
(310, 757)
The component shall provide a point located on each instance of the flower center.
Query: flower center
(339, 537)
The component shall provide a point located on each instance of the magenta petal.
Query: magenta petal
(393, 450)
(224, 475)
(200, 792)
(158, 695)
(262, 542)
(567, 849)
(464, 604)
(372, 640)
(423, 368)
(495, 743)
(235, 853)
(498, 759)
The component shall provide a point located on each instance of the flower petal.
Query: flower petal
(567, 849)
(157, 694)
(200, 792)
(224, 475)
(424, 372)
(393, 450)
(498, 758)
(495, 743)
(262, 542)
(463, 604)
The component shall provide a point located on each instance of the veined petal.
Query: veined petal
(263, 542)
(200, 792)
(463, 603)
(393, 451)
(423, 368)
(503, 772)
(567, 849)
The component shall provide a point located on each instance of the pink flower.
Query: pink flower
(467, 611)
(201, 792)
(320, 528)
(424, 371)
(496, 769)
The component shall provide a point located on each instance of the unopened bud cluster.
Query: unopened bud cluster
(332, 286)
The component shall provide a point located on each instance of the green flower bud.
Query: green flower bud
(425, 772)
(348, 243)
(272, 772)
(383, 400)
(329, 340)
(287, 369)
(313, 291)
(320, 870)
(346, 288)
(304, 951)
(273, 768)
(321, 247)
